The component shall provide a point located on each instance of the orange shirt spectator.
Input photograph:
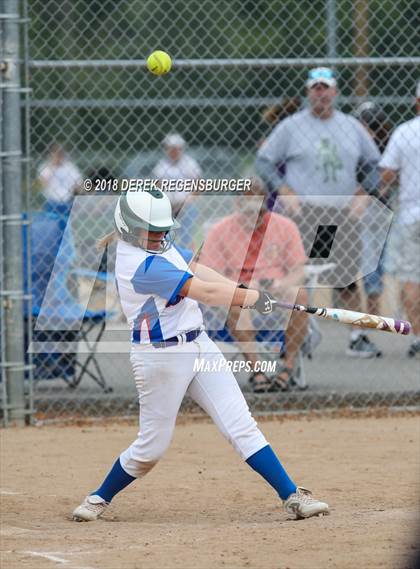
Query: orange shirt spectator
(251, 246)
(271, 251)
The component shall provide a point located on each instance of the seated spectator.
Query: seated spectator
(267, 251)
(60, 179)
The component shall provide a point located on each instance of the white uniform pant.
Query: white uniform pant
(163, 376)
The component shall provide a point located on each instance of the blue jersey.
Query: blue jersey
(148, 286)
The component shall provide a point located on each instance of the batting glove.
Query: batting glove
(265, 303)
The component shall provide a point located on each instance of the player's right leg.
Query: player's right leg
(218, 393)
(162, 377)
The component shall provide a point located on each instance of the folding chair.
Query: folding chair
(91, 320)
(57, 316)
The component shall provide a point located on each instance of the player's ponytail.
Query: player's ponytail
(106, 240)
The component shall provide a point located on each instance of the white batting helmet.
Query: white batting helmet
(144, 209)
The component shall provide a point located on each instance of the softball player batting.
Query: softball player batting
(160, 290)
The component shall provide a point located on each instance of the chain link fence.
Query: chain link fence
(240, 70)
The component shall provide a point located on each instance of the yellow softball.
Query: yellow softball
(159, 62)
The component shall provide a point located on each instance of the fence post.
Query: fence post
(11, 215)
(361, 45)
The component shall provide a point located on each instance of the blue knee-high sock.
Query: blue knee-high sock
(116, 480)
(266, 463)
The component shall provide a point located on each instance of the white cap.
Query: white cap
(418, 90)
(174, 140)
(321, 75)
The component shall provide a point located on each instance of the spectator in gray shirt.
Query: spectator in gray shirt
(328, 158)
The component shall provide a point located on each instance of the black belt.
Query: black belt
(180, 339)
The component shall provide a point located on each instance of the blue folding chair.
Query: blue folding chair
(56, 314)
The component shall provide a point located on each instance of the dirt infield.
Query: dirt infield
(203, 508)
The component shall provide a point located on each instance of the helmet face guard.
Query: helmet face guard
(165, 243)
(148, 211)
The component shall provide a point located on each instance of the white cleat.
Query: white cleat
(90, 510)
(302, 505)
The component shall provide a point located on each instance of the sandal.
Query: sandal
(284, 383)
(262, 385)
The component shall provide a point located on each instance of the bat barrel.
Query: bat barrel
(402, 327)
(365, 320)
(354, 318)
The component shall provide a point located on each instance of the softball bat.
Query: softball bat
(354, 318)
